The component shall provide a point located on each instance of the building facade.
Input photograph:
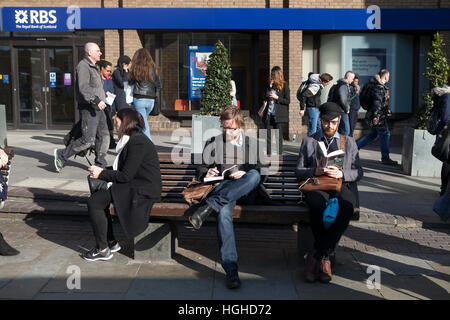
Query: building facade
(37, 67)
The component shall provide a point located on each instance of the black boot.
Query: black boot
(200, 215)
(6, 249)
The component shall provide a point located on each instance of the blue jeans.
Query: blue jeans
(144, 107)
(314, 123)
(344, 125)
(384, 134)
(222, 200)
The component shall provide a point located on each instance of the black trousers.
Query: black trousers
(325, 240)
(445, 177)
(101, 220)
(353, 119)
(271, 125)
(110, 124)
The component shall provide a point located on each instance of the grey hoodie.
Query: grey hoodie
(89, 85)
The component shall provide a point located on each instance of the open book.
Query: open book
(224, 174)
(335, 158)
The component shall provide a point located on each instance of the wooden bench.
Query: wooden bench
(6, 170)
(158, 242)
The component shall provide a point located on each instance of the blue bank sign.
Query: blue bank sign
(62, 19)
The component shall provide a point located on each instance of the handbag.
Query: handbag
(441, 148)
(156, 108)
(262, 109)
(323, 183)
(96, 184)
(196, 191)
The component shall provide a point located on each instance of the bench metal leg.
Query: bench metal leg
(156, 243)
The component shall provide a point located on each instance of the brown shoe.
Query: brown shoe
(325, 270)
(311, 268)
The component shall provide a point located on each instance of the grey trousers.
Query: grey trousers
(95, 132)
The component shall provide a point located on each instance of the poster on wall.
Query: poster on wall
(198, 61)
(367, 62)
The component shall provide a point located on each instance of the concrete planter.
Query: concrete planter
(203, 128)
(417, 159)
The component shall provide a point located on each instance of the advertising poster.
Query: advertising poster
(367, 62)
(67, 79)
(52, 79)
(198, 61)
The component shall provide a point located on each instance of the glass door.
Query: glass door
(31, 87)
(45, 87)
(6, 92)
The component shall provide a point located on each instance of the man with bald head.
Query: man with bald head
(91, 102)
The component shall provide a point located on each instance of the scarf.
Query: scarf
(120, 145)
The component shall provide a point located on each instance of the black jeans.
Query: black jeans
(325, 240)
(94, 129)
(271, 125)
(98, 208)
(353, 119)
(445, 177)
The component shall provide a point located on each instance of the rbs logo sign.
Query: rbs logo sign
(35, 19)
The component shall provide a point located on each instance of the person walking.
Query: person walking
(310, 165)
(340, 94)
(377, 114)
(232, 149)
(108, 86)
(441, 100)
(354, 104)
(309, 99)
(119, 77)
(91, 104)
(144, 75)
(133, 185)
(276, 115)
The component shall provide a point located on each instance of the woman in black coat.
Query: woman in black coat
(134, 185)
(120, 76)
(276, 114)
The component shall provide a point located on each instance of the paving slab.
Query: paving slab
(422, 287)
(395, 264)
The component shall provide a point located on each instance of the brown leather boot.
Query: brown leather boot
(325, 270)
(311, 268)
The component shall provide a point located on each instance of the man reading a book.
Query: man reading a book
(313, 162)
(228, 158)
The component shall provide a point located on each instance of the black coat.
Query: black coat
(118, 79)
(378, 107)
(281, 105)
(136, 183)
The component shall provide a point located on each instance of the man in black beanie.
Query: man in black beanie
(311, 164)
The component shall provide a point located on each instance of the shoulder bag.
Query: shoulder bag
(196, 191)
(323, 183)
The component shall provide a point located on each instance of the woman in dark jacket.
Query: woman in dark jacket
(144, 75)
(120, 76)
(134, 184)
(276, 114)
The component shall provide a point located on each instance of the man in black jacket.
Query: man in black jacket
(230, 149)
(376, 116)
(340, 95)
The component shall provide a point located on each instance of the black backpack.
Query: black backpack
(364, 97)
(302, 88)
(332, 93)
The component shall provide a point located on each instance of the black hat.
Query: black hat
(329, 110)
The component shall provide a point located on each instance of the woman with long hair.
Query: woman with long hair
(133, 184)
(119, 77)
(145, 76)
(276, 114)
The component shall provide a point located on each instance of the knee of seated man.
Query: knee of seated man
(254, 176)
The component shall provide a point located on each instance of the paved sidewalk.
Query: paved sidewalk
(398, 232)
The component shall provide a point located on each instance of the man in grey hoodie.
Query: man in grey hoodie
(91, 103)
(309, 99)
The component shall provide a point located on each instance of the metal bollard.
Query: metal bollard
(3, 127)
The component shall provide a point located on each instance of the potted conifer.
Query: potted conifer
(417, 159)
(215, 97)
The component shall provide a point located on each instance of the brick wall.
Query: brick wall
(295, 72)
